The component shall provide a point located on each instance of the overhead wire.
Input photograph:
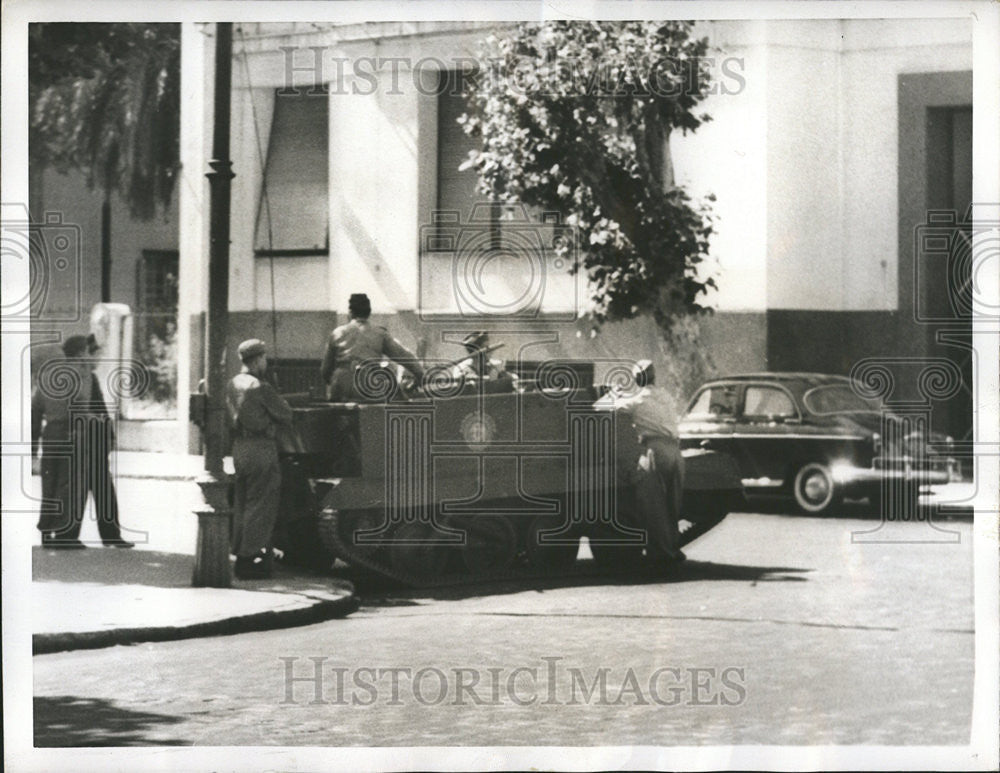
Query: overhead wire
(265, 200)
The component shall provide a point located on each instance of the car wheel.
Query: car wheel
(815, 490)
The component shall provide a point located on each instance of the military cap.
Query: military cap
(475, 340)
(252, 347)
(74, 346)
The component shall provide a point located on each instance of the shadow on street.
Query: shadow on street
(66, 720)
(376, 591)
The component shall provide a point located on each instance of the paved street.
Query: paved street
(778, 630)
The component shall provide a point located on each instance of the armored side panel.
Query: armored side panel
(478, 482)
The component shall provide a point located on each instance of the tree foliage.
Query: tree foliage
(576, 117)
(105, 99)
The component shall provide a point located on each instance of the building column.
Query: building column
(195, 129)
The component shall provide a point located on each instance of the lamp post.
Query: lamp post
(212, 554)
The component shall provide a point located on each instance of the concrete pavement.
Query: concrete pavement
(100, 596)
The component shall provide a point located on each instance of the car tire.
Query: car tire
(815, 490)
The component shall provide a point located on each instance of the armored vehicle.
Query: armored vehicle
(477, 479)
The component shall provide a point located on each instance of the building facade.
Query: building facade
(830, 141)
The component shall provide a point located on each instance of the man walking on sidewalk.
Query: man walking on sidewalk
(255, 409)
(70, 418)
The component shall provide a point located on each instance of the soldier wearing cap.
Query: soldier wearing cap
(255, 411)
(358, 342)
(74, 429)
(658, 478)
(478, 364)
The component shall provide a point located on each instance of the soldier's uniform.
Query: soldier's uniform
(76, 435)
(492, 369)
(658, 477)
(355, 343)
(477, 365)
(255, 410)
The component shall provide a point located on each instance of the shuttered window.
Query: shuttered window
(294, 210)
(457, 189)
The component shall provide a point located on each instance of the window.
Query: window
(294, 209)
(157, 281)
(762, 402)
(479, 257)
(714, 403)
(456, 189)
(838, 398)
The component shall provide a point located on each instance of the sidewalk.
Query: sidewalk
(101, 597)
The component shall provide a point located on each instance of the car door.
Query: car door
(711, 415)
(765, 434)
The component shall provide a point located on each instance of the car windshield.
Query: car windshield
(838, 398)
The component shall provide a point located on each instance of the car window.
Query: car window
(838, 398)
(763, 402)
(716, 402)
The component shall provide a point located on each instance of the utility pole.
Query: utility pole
(106, 247)
(212, 555)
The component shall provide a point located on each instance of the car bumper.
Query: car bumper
(852, 478)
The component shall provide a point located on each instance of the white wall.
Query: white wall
(374, 217)
(875, 54)
(802, 160)
(727, 157)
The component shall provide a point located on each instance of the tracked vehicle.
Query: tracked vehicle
(485, 479)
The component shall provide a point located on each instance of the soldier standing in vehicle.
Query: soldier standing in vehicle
(358, 342)
(478, 363)
(255, 411)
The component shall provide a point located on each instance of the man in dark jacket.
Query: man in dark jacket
(255, 411)
(70, 421)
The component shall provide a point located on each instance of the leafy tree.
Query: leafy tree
(576, 117)
(105, 99)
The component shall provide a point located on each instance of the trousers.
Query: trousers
(74, 465)
(659, 489)
(256, 493)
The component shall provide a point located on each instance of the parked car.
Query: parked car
(812, 436)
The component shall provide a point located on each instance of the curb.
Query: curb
(323, 609)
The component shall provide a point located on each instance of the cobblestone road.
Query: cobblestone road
(778, 630)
